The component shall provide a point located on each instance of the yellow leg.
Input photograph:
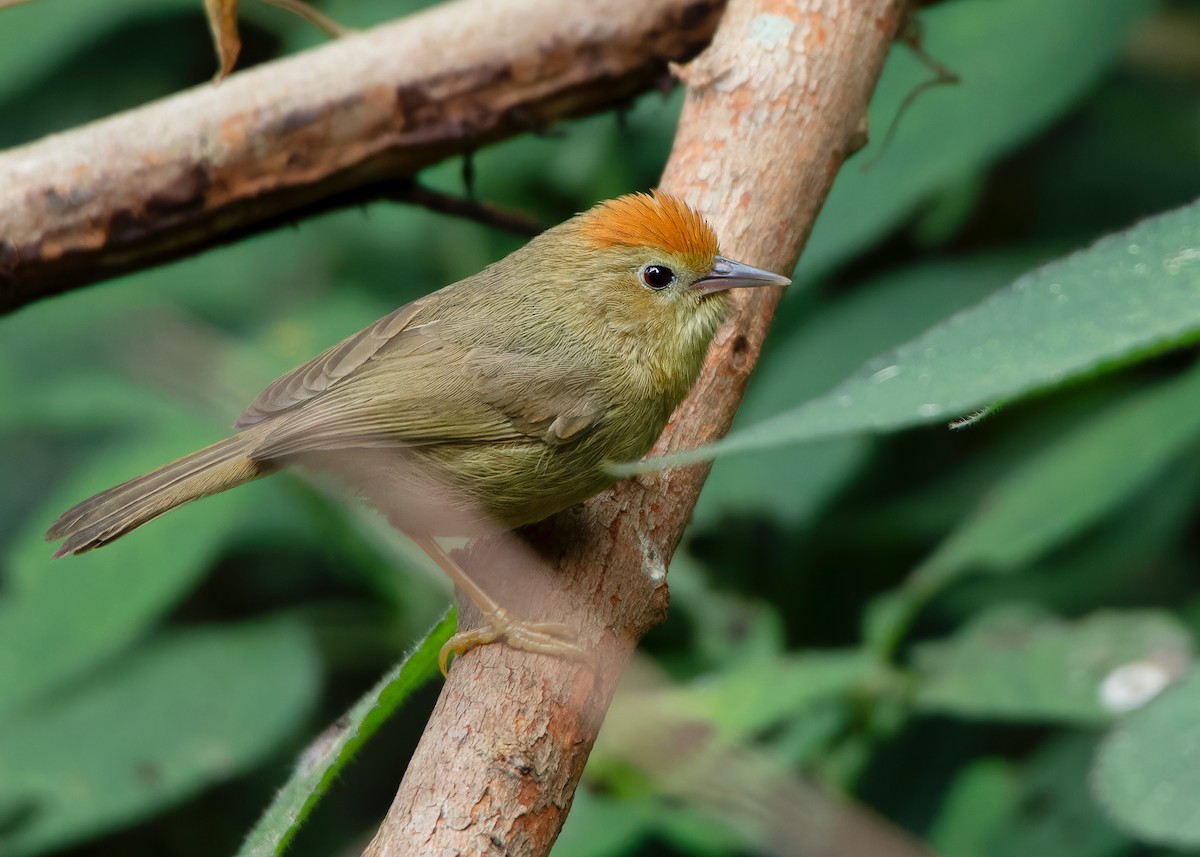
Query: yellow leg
(546, 638)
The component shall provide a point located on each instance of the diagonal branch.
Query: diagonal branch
(311, 131)
(774, 106)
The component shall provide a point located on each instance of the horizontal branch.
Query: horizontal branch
(319, 129)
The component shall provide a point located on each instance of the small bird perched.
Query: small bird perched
(489, 404)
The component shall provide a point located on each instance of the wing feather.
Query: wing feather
(397, 385)
(326, 369)
(553, 402)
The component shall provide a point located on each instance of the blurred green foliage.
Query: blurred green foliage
(985, 635)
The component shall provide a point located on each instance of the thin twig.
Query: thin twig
(314, 16)
(912, 36)
(516, 222)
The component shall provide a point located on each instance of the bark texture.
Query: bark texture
(330, 126)
(774, 106)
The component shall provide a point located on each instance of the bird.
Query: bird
(489, 404)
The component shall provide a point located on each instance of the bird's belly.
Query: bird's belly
(509, 485)
(469, 489)
(503, 486)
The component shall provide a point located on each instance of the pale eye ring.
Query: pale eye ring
(657, 277)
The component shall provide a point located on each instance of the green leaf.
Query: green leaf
(1147, 772)
(601, 825)
(1059, 492)
(62, 42)
(1021, 64)
(701, 832)
(672, 740)
(1054, 813)
(750, 697)
(728, 629)
(1130, 295)
(1021, 665)
(1114, 562)
(979, 804)
(59, 617)
(187, 710)
(325, 758)
(834, 339)
(928, 509)
(35, 35)
(745, 698)
(1073, 483)
(804, 740)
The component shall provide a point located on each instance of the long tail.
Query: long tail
(113, 513)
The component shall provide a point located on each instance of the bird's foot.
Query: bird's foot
(543, 638)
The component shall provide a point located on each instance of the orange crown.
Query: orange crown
(654, 219)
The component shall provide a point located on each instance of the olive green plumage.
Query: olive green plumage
(491, 403)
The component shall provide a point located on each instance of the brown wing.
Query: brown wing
(418, 389)
(326, 369)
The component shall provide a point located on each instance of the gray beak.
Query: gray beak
(728, 274)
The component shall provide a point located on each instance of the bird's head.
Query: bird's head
(653, 267)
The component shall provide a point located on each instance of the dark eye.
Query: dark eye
(657, 276)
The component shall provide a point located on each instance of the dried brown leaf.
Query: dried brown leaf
(222, 20)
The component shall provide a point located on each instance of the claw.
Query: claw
(544, 638)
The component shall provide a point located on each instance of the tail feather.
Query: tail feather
(113, 513)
